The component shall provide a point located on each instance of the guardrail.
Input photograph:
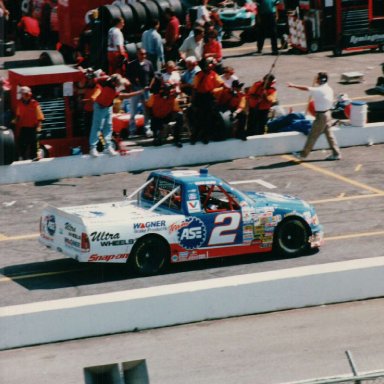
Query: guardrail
(169, 156)
(173, 304)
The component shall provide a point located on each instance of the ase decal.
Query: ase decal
(193, 235)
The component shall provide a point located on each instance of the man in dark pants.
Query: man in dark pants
(28, 122)
(266, 20)
(262, 95)
(203, 101)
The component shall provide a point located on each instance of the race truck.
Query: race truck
(178, 216)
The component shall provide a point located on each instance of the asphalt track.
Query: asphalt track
(348, 196)
(270, 348)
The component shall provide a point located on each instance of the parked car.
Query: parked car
(179, 216)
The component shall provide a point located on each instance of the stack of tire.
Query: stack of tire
(138, 17)
(7, 146)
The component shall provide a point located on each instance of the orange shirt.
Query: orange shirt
(226, 98)
(162, 107)
(260, 97)
(207, 82)
(28, 115)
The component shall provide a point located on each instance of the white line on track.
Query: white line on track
(258, 181)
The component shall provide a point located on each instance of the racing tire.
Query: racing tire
(51, 58)
(177, 7)
(291, 238)
(149, 256)
(151, 10)
(128, 16)
(140, 16)
(7, 146)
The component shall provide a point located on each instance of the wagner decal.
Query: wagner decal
(157, 225)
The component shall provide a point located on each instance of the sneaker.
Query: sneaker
(111, 152)
(94, 152)
(298, 156)
(178, 144)
(148, 133)
(333, 157)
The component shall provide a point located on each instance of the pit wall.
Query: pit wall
(167, 156)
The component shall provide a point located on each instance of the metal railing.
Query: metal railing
(373, 377)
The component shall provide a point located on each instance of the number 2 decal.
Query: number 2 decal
(225, 233)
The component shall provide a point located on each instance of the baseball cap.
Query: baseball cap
(25, 89)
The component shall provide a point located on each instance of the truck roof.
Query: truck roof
(186, 176)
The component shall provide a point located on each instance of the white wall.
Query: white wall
(170, 156)
(167, 305)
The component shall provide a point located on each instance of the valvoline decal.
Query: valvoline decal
(193, 234)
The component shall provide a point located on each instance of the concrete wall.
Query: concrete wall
(167, 305)
(170, 156)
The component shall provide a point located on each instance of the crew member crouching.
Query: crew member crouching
(234, 100)
(163, 108)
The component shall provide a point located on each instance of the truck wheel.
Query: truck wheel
(7, 146)
(291, 238)
(51, 58)
(149, 256)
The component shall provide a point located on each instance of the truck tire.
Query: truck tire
(291, 238)
(131, 49)
(151, 10)
(129, 18)
(7, 146)
(149, 255)
(51, 58)
(7, 48)
(177, 8)
(140, 16)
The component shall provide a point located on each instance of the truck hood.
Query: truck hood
(278, 201)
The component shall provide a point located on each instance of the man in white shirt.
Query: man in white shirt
(116, 49)
(322, 96)
(193, 45)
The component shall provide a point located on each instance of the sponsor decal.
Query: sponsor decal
(107, 258)
(71, 243)
(69, 227)
(74, 235)
(193, 206)
(208, 182)
(157, 225)
(192, 196)
(176, 226)
(193, 234)
(194, 255)
(116, 243)
(50, 223)
(367, 39)
(103, 236)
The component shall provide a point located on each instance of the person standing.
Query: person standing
(151, 41)
(266, 18)
(140, 73)
(172, 35)
(116, 50)
(322, 95)
(106, 91)
(29, 32)
(29, 117)
(204, 106)
(262, 95)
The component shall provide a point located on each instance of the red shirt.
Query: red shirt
(207, 82)
(104, 95)
(172, 31)
(213, 46)
(28, 115)
(231, 101)
(29, 25)
(260, 97)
